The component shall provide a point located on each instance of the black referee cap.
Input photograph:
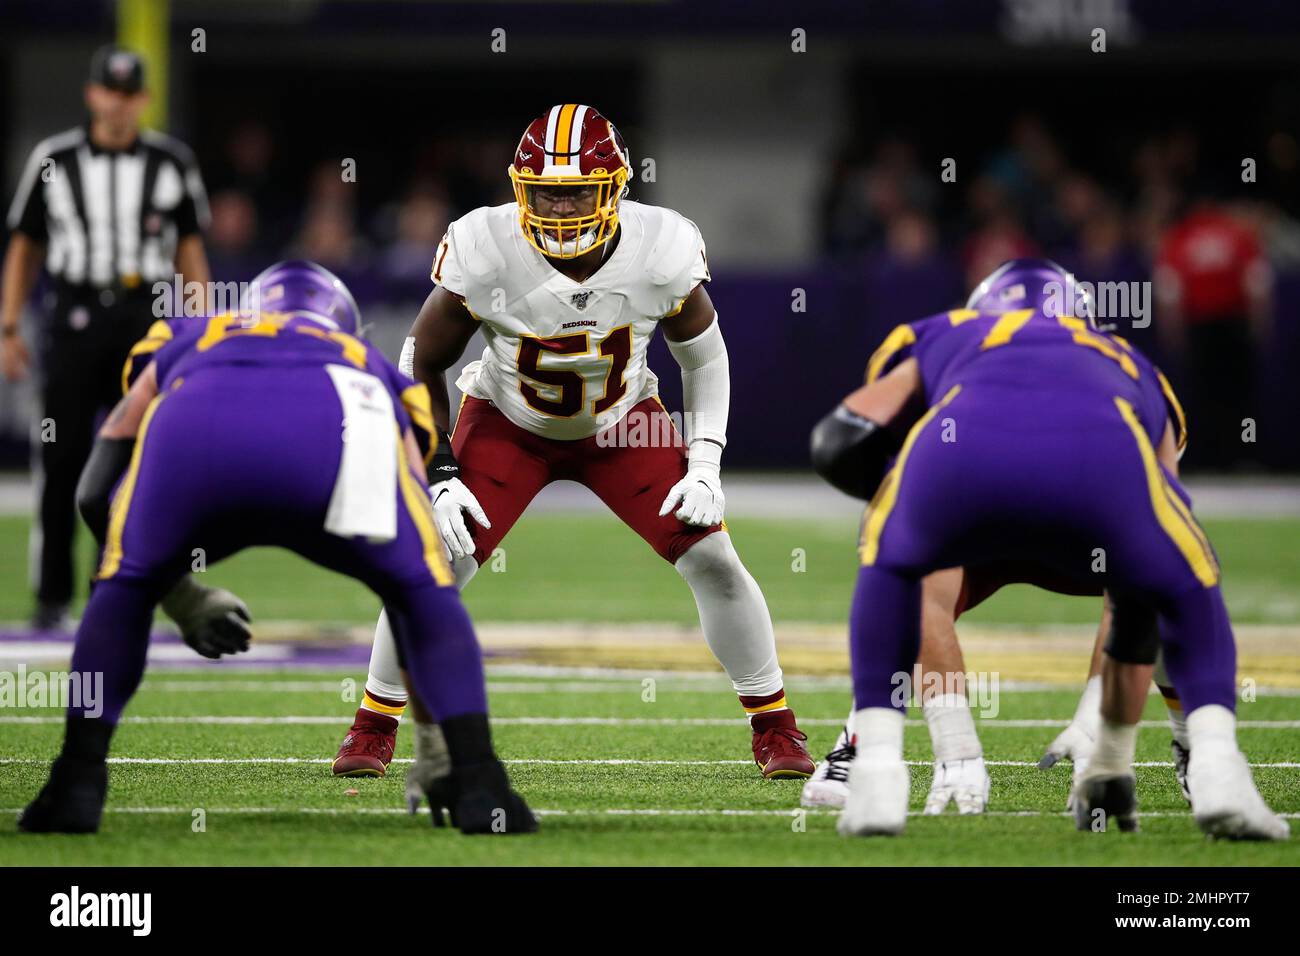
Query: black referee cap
(118, 69)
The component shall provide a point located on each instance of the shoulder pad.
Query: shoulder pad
(674, 243)
(475, 243)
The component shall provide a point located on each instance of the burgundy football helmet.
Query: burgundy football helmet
(570, 171)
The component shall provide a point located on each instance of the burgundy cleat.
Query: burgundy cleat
(779, 748)
(368, 748)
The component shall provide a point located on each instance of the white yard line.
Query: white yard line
(242, 720)
(674, 684)
(593, 812)
(544, 761)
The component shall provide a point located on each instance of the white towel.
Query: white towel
(365, 492)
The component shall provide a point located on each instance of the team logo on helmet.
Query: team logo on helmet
(569, 173)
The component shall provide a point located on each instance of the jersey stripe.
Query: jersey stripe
(887, 495)
(1177, 523)
(900, 338)
(122, 500)
(418, 507)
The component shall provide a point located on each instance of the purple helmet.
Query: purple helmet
(304, 288)
(1032, 284)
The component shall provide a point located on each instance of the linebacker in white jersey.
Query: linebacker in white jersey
(568, 285)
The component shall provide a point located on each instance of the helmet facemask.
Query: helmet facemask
(566, 216)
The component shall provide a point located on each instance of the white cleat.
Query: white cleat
(1224, 799)
(829, 785)
(963, 782)
(877, 799)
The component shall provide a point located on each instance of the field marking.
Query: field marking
(242, 720)
(558, 762)
(602, 812)
(630, 685)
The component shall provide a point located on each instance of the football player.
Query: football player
(568, 285)
(959, 774)
(1027, 435)
(272, 428)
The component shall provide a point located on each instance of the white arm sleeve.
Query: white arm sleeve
(406, 361)
(706, 392)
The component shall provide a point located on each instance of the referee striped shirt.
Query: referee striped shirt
(110, 218)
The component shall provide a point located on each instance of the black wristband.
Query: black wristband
(444, 466)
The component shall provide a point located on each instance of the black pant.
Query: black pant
(85, 344)
(1220, 392)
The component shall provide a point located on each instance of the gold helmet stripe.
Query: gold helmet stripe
(563, 134)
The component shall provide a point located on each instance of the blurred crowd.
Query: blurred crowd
(1212, 247)
(381, 238)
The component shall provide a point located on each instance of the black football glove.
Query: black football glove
(213, 621)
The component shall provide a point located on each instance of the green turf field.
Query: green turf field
(686, 792)
(619, 780)
(590, 567)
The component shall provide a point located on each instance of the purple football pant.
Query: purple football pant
(1009, 474)
(244, 456)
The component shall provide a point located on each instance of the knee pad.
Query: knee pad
(713, 560)
(1134, 636)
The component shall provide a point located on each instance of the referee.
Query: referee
(109, 208)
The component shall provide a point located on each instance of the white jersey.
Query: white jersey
(567, 359)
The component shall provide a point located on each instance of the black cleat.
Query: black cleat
(50, 616)
(442, 799)
(484, 802)
(1181, 757)
(1103, 799)
(72, 801)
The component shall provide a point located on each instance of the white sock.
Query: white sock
(1178, 725)
(1088, 714)
(879, 732)
(952, 728)
(1113, 754)
(1211, 725)
(385, 677)
(733, 615)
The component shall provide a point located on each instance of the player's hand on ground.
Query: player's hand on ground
(450, 500)
(430, 775)
(1073, 743)
(700, 497)
(963, 782)
(213, 621)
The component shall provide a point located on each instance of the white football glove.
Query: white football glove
(450, 498)
(963, 782)
(1077, 740)
(700, 496)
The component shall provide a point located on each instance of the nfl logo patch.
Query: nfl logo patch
(579, 300)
